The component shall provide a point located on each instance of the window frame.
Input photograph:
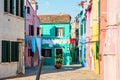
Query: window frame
(39, 31)
(30, 53)
(14, 7)
(48, 56)
(28, 10)
(10, 54)
(57, 32)
(31, 30)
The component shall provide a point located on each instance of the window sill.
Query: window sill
(59, 36)
(8, 62)
(47, 57)
(9, 14)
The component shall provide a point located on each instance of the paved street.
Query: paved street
(66, 73)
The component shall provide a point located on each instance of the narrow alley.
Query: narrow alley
(73, 72)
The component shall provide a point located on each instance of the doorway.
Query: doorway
(59, 52)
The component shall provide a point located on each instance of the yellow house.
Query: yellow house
(95, 34)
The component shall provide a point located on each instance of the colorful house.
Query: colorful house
(11, 38)
(55, 34)
(103, 26)
(82, 34)
(89, 55)
(95, 34)
(74, 42)
(92, 37)
(32, 38)
(110, 48)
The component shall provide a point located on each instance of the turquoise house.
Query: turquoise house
(55, 33)
(82, 35)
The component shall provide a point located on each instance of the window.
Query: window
(31, 30)
(17, 7)
(28, 10)
(30, 53)
(14, 51)
(5, 51)
(59, 32)
(9, 51)
(22, 8)
(47, 52)
(12, 6)
(5, 5)
(39, 31)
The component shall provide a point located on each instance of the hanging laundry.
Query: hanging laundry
(33, 45)
(38, 42)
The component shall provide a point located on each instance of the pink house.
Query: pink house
(110, 40)
(89, 54)
(103, 24)
(31, 31)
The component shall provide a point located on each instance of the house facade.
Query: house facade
(82, 35)
(92, 35)
(31, 34)
(103, 24)
(89, 55)
(95, 34)
(74, 42)
(110, 32)
(11, 38)
(55, 34)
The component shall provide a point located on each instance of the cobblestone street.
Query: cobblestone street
(66, 73)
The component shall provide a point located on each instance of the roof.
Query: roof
(58, 18)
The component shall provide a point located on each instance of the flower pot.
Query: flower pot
(58, 66)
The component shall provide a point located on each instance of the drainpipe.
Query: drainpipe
(25, 28)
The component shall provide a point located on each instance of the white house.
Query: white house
(11, 37)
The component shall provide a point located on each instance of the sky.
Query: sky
(59, 6)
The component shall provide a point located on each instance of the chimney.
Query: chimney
(34, 5)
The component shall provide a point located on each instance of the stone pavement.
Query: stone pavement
(74, 72)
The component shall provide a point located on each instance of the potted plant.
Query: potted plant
(58, 64)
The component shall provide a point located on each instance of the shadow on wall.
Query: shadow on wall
(50, 33)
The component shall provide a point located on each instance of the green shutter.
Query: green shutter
(97, 50)
(14, 51)
(5, 6)
(55, 31)
(22, 8)
(17, 7)
(5, 51)
(12, 6)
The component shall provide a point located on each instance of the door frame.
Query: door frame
(62, 54)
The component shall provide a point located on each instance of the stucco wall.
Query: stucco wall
(31, 19)
(48, 31)
(8, 69)
(11, 28)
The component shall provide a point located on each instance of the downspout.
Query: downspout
(25, 29)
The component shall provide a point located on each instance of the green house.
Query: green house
(55, 33)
